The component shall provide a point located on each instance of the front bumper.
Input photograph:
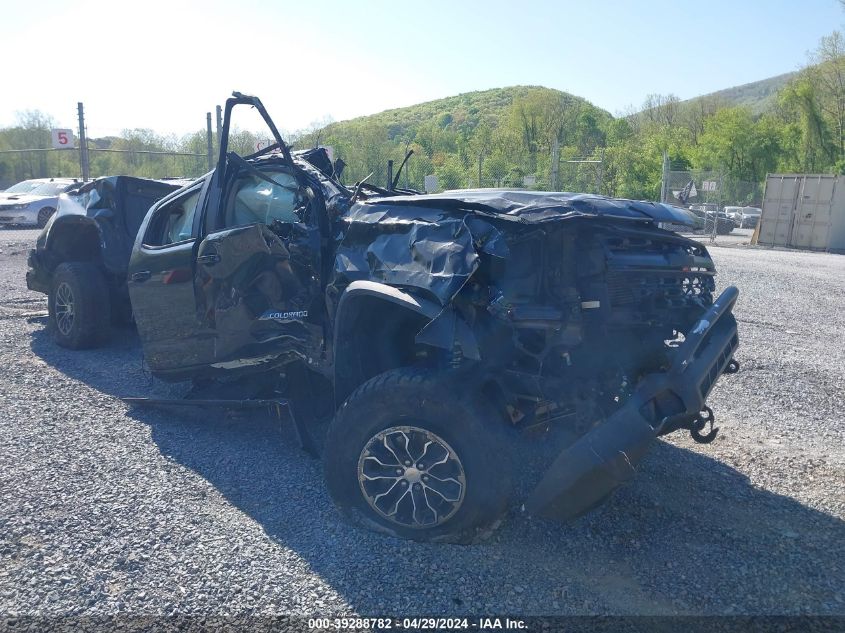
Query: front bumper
(18, 216)
(587, 472)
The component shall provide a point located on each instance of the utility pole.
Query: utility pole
(219, 124)
(716, 211)
(600, 172)
(555, 162)
(83, 144)
(390, 175)
(210, 141)
(664, 185)
(480, 161)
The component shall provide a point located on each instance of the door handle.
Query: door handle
(208, 260)
(141, 275)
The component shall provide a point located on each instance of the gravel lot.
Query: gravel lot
(737, 237)
(107, 510)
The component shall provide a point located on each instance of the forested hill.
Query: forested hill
(536, 137)
(490, 137)
(758, 96)
(460, 112)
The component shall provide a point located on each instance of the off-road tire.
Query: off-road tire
(436, 403)
(89, 294)
(44, 216)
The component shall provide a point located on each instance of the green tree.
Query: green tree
(806, 132)
(732, 141)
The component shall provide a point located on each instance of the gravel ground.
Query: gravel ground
(106, 510)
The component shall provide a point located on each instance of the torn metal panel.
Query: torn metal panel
(592, 468)
(115, 206)
(257, 294)
(540, 274)
(319, 158)
(448, 328)
(420, 247)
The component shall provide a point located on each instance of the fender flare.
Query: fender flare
(71, 220)
(445, 326)
(58, 228)
(365, 288)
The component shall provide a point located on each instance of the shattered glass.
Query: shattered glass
(258, 200)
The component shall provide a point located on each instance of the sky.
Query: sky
(163, 64)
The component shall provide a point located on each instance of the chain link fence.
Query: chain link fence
(706, 194)
(542, 170)
(576, 174)
(711, 188)
(18, 165)
(445, 172)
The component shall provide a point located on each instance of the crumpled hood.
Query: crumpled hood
(433, 242)
(542, 206)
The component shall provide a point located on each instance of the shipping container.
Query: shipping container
(804, 211)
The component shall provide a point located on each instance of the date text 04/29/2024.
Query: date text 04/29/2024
(431, 624)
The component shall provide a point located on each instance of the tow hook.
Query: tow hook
(705, 419)
(733, 367)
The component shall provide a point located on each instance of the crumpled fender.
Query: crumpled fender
(72, 220)
(431, 249)
(59, 226)
(445, 326)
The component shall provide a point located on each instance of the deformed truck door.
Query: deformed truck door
(257, 278)
(257, 281)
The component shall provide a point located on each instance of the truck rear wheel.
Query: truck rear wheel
(409, 454)
(79, 306)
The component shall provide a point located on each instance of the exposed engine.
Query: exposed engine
(581, 311)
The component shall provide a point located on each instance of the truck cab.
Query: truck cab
(253, 229)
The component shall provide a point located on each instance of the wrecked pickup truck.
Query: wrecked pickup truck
(439, 335)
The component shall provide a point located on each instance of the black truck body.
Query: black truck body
(97, 224)
(436, 330)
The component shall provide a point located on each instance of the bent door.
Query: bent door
(257, 279)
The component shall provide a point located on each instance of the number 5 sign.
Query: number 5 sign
(63, 139)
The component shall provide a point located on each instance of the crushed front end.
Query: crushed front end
(613, 330)
(590, 327)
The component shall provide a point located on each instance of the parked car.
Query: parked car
(734, 213)
(22, 187)
(33, 202)
(709, 216)
(749, 217)
(91, 236)
(707, 207)
(439, 336)
(724, 225)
